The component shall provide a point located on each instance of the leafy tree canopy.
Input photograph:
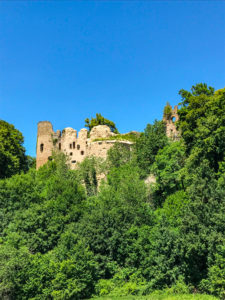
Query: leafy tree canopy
(118, 155)
(167, 168)
(148, 145)
(202, 124)
(100, 120)
(12, 153)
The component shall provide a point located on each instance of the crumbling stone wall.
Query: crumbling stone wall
(100, 131)
(75, 147)
(44, 143)
(170, 121)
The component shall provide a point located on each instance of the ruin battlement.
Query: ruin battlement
(75, 145)
(78, 145)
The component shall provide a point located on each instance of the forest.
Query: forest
(66, 235)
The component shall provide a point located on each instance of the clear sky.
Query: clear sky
(64, 61)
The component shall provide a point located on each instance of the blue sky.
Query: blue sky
(64, 61)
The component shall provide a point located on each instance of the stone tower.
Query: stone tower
(170, 116)
(44, 143)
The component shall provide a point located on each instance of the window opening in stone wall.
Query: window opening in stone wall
(173, 119)
(73, 161)
(59, 146)
(71, 153)
(41, 147)
(73, 145)
(82, 152)
(78, 147)
(70, 146)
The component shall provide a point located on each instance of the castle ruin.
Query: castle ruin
(77, 147)
(170, 117)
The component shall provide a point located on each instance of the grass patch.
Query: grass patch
(131, 137)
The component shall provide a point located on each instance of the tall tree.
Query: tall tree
(167, 168)
(202, 125)
(148, 145)
(12, 153)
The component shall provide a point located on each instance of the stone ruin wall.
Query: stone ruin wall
(171, 130)
(44, 143)
(76, 147)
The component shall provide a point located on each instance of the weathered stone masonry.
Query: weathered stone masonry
(171, 130)
(77, 147)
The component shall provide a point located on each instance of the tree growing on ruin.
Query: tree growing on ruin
(100, 120)
(167, 111)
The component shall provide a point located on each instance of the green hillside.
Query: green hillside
(66, 234)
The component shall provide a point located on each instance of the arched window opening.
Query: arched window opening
(73, 161)
(70, 146)
(59, 146)
(173, 119)
(82, 152)
(42, 147)
(73, 145)
(71, 153)
(78, 147)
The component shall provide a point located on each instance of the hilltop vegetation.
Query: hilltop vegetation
(66, 236)
(100, 120)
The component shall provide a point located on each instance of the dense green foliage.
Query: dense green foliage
(159, 296)
(67, 235)
(147, 146)
(119, 155)
(100, 120)
(12, 153)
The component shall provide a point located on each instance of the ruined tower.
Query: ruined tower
(44, 143)
(170, 117)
